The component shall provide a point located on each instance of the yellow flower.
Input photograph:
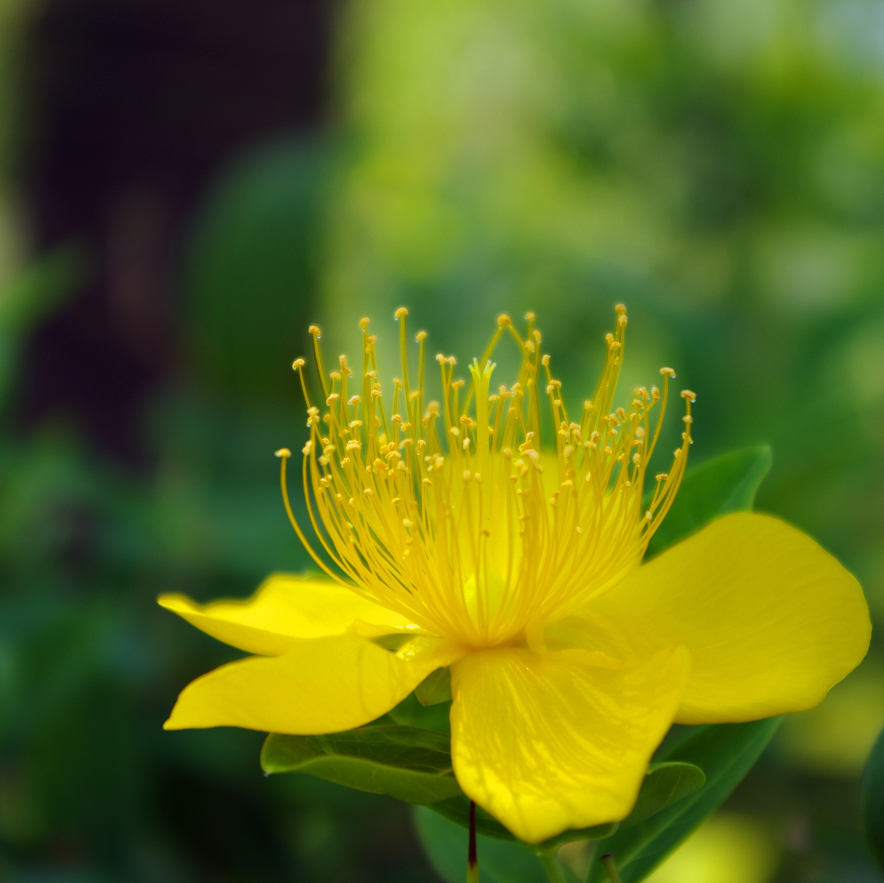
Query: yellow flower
(454, 536)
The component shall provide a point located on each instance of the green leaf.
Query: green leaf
(873, 800)
(726, 484)
(407, 763)
(435, 687)
(410, 713)
(457, 810)
(665, 784)
(445, 844)
(725, 752)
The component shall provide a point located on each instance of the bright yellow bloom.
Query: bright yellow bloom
(449, 526)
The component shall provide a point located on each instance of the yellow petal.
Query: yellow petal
(284, 609)
(771, 620)
(546, 742)
(323, 685)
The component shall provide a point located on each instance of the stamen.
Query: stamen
(445, 524)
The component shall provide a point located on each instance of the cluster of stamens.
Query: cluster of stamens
(449, 511)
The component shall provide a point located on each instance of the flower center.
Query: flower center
(450, 512)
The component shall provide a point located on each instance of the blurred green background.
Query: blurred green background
(185, 186)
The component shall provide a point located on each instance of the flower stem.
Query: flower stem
(608, 861)
(552, 867)
(472, 859)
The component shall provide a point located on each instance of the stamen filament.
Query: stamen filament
(481, 536)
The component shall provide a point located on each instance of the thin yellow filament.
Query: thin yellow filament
(451, 513)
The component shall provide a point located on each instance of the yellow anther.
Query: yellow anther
(667, 372)
(690, 396)
(282, 452)
(453, 525)
(314, 330)
(402, 311)
(363, 322)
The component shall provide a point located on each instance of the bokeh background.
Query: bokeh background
(185, 185)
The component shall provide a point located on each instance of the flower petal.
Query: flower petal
(771, 620)
(546, 742)
(284, 609)
(323, 685)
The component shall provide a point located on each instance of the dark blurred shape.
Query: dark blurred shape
(134, 107)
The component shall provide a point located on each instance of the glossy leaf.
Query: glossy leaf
(407, 763)
(445, 844)
(435, 687)
(725, 752)
(873, 800)
(410, 713)
(457, 810)
(665, 784)
(726, 484)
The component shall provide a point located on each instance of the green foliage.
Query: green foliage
(726, 484)
(30, 296)
(457, 810)
(414, 765)
(251, 270)
(664, 785)
(407, 763)
(503, 858)
(725, 753)
(873, 800)
(499, 861)
(435, 688)
(412, 713)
